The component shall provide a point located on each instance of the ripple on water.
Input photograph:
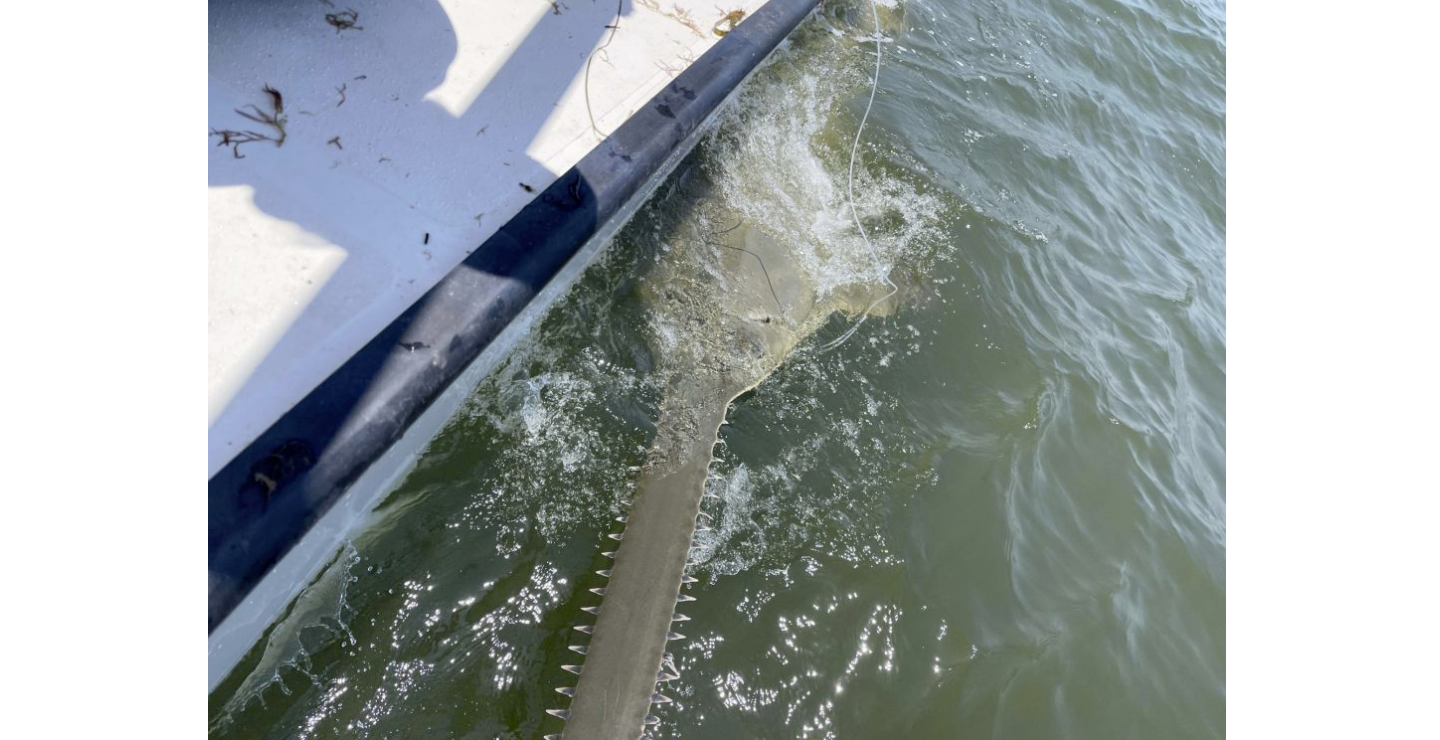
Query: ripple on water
(1001, 513)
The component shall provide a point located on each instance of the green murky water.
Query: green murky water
(998, 513)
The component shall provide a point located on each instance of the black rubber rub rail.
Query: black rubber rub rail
(270, 494)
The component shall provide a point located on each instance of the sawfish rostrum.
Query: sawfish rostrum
(726, 308)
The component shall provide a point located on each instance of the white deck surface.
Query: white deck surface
(449, 105)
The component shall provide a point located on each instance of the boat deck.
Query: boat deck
(406, 134)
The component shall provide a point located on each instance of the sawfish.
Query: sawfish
(727, 308)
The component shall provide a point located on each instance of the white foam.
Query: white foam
(779, 160)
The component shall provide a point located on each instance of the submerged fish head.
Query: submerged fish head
(736, 303)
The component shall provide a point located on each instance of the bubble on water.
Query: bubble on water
(549, 415)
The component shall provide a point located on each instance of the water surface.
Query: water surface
(999, 513)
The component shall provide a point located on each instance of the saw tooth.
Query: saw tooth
(667, 676)
(651, 720)
(591, 610)
(605, 572)
(674, 636)
(668, 657)
(659, 698)
(689, 579)
(685, 597)
(676, 617)
(622, 519)
(610, 554)
(575, 669)
(561, 713)
(707, 516)
(585, 629)
(566, 691)
(552, 737)
(598, 591)
(580, 649)
(616, 537)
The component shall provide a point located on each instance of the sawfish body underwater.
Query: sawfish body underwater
(726, 312)
(726, 308)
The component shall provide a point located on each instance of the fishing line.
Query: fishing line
(614, 29)
(854, 148)
(758, 258)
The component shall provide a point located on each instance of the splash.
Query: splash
(779, 159)
(317, 616)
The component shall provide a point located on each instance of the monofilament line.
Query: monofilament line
(614, 29)
(758, 258)
(850, 186)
